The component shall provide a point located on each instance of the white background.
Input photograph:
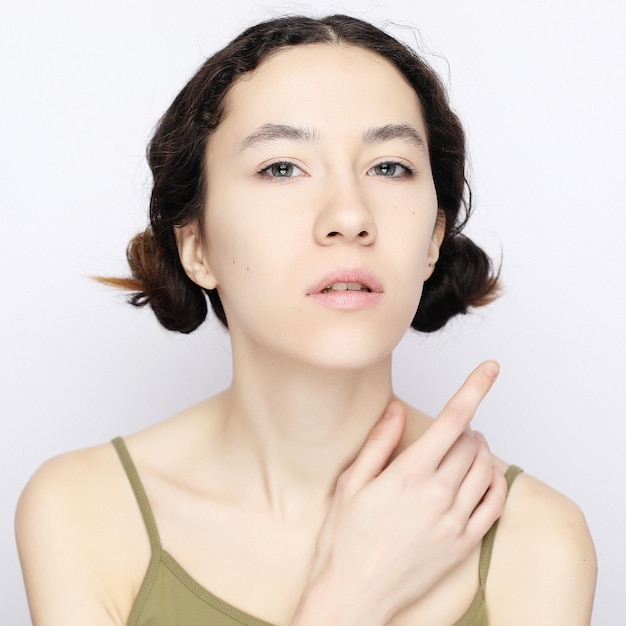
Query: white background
(540, 87)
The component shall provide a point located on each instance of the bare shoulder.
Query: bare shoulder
(61, 489)
(543, 569)
(81, 538)
(76, 526)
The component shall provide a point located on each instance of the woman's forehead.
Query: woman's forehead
(322, 86)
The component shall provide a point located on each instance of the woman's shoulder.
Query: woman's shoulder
(72, 468)
(76, 529)
(90, 479)
(543, 569)
(81, 537)
(61, 489)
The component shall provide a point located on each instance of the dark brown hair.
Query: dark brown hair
(463, 276)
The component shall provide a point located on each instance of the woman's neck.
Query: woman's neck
(292, 428)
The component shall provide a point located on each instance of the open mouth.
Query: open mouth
(346, 287)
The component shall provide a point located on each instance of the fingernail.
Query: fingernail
(492, 369)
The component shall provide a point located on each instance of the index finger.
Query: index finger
(456, 416)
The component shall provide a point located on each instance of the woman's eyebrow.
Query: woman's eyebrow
(273, 132)
(388, 132)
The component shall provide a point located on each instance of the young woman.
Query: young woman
(309, 179)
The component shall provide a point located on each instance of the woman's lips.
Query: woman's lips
(347, 300)
(347, 289)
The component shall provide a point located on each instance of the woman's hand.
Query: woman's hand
(394, 529)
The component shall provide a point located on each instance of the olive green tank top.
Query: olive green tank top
(169, 596)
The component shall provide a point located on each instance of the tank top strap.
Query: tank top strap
(139, 491)
(486, 548)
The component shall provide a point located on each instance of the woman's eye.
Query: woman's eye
(391, 169)
(281, 169)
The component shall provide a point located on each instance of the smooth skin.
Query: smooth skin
(84, 551)
(442, 491)
(365, 520)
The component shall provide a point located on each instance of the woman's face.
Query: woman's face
(319, 179)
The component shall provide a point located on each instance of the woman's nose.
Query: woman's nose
(345, 217)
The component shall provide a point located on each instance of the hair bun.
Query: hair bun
(160, 281)
(464, 277)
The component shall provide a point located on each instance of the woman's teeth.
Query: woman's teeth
(345, 287)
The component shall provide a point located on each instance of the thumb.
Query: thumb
(380, 444)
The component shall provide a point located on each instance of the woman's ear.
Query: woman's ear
(435, 243)
(193, 256)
